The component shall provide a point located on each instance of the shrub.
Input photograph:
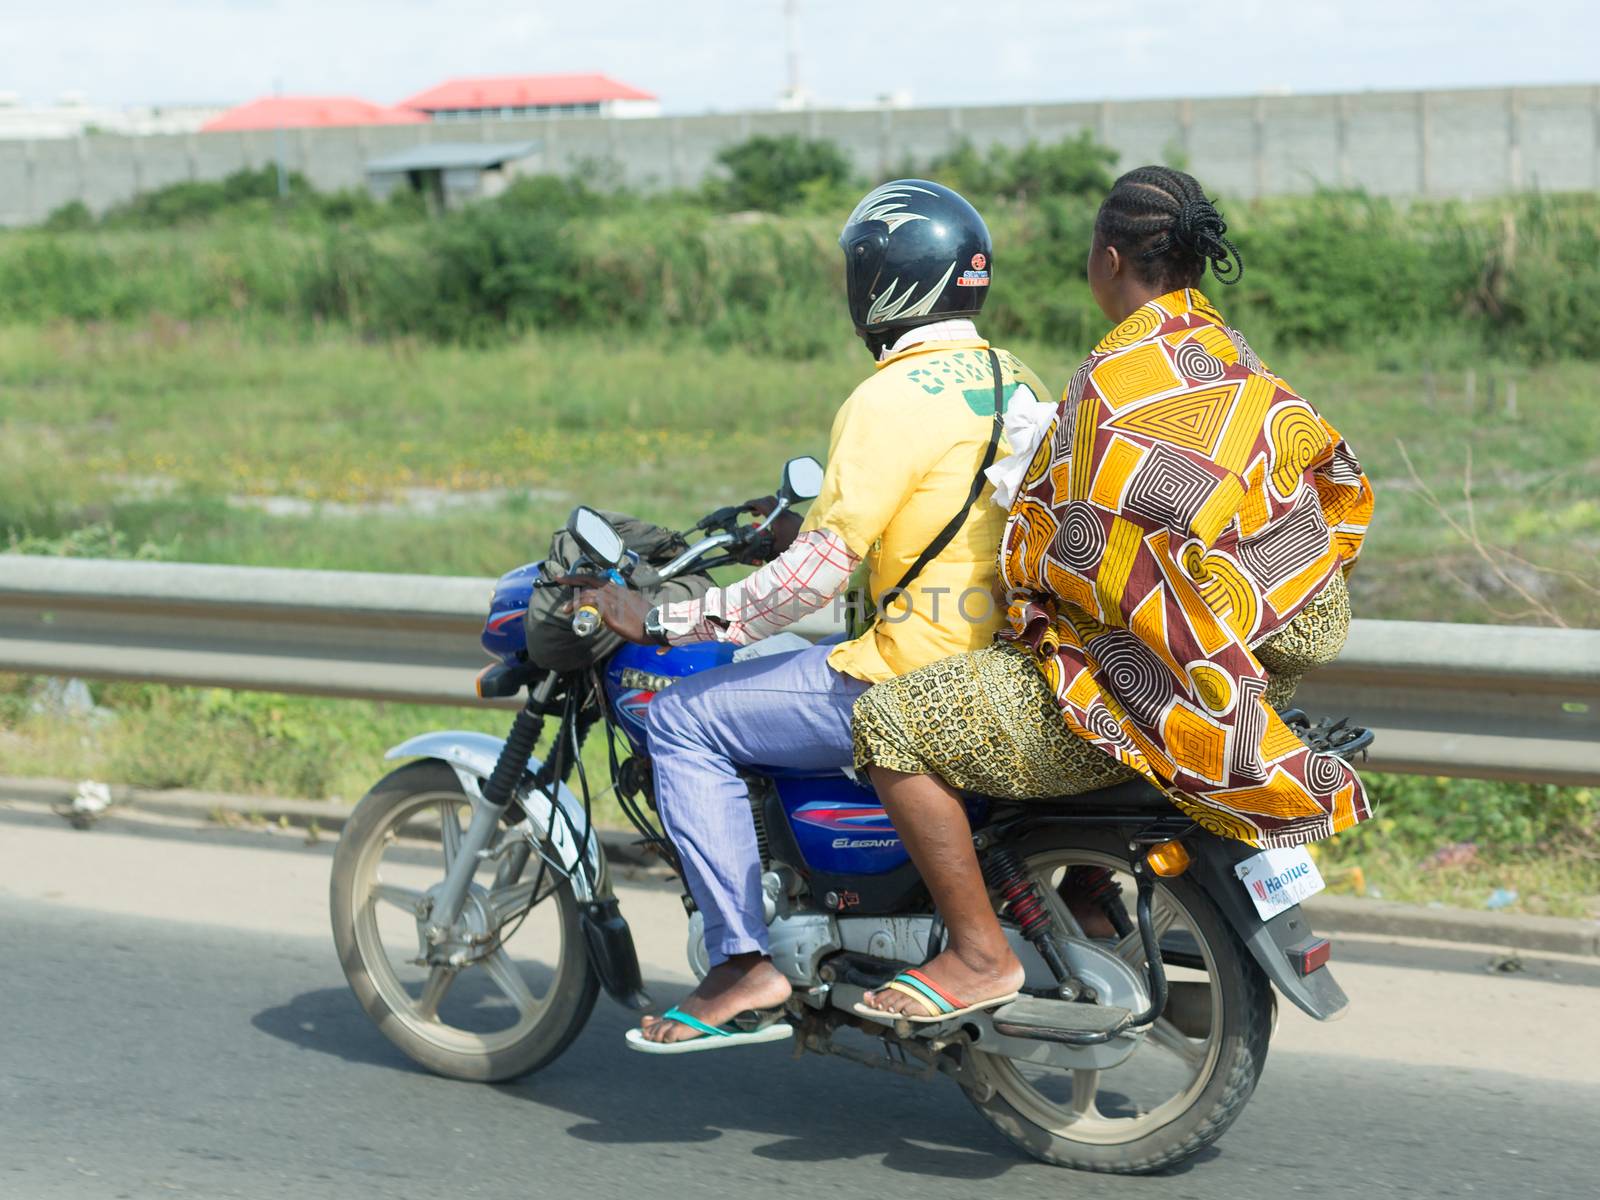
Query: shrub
(1074, 167)
(1425, 811)
(559, 195)
(70, 217)
(772, 174)
(190, 202)
(1077, 166)
(99, 539)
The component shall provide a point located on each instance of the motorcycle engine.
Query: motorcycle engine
(799, 940)
(897, 939)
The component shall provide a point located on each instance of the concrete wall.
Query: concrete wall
(1452, 144)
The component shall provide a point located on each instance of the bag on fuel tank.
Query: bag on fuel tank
(551, 642)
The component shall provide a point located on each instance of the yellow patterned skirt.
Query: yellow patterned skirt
(985, 721)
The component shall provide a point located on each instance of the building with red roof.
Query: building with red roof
(522, 96)
(301, 112)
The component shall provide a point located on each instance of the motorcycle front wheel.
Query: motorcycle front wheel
(1194, 1070)
(527, 987)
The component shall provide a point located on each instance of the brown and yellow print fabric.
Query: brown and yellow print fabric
(1186, 505)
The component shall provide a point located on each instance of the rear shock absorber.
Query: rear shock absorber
(1020, 900)
(1098, 887)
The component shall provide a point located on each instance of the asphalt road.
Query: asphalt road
(173, 1021)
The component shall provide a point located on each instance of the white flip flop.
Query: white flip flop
(712, 1037)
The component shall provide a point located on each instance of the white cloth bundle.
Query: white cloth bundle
(1026, 420)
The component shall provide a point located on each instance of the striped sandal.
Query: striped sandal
(941, 1005)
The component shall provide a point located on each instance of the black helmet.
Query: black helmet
(914, 252)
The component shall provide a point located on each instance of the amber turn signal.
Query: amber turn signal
(1169, 859)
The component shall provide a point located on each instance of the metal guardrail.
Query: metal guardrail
(1477, 701)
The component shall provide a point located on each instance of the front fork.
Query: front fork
(605, 933)
(489, 806)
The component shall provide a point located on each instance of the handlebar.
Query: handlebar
(696, 552)
(745, 543)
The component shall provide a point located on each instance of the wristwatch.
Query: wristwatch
(652, 627)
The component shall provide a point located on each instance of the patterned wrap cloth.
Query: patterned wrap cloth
(1185, 507)
(987, 722)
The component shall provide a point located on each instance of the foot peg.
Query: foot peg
(1055, 1020)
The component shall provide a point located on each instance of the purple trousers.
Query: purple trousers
(783, 710)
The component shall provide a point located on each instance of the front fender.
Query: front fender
(473, 755)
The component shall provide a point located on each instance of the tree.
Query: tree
(777, 173)
(1077, 166)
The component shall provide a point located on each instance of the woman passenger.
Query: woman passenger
(1175, 555)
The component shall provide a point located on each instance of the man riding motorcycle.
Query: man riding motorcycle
(904, 493)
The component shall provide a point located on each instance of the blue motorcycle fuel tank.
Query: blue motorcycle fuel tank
(636, 673)
(837, 822)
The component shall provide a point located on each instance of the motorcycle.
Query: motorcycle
(476, 922)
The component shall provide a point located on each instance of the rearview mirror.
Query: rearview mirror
(802, 480)
(600, 543)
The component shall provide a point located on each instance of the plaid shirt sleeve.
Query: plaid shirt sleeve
(812, 571)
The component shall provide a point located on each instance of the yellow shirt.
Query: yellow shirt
(901, 459)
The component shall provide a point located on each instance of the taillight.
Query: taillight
(1310, 955)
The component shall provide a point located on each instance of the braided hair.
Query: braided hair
(1160, 219)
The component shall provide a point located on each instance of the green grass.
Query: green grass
(246, 743)
(171, 431)
(1561, 879)
(176, 435)
(1456, 841)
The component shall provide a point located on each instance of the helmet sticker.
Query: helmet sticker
(979, 262)
(889, 307)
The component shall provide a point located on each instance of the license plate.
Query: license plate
(1279, 879)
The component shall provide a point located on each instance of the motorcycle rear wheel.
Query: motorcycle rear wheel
(1060, 1120)
(485, 1021)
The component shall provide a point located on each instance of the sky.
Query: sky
(729, 55)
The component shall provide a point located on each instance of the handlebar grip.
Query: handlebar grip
(753, 546)
(586, 620)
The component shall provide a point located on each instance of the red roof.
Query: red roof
(522, 91)
(296, 112)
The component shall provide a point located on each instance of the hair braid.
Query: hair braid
(1163, 221)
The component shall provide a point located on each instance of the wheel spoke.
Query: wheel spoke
(1131, 948)
(509, 902)
(509, 980)
(1169, 1037)
(511, 864)
(1062, 914)
(1085, 1084)
(449, 831)
(401, 897)
(1149, 1091)
(439, 981)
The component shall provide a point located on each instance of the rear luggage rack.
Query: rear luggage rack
(1329, 735)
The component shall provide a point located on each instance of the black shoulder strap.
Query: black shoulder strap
(949, 531)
